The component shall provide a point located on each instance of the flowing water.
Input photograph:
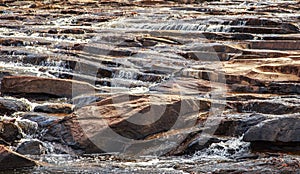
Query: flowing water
(218, 153)
(139, 71)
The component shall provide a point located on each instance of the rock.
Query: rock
(74, 130)
(8, 106)
(12, 42)
(13, 160)
(54, 108)
(237, 126)
(183, 86)
(275, 45)
(278, 134)
(136, 117)
(28, 127)
(276, 107)
(44, 86)
(73, 31)
(31, 147)
(202, 142)
(42, 119)
(9, 131)
(65, 131)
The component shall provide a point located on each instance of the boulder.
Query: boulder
(12, 160)
(278, 134)
(44, 86)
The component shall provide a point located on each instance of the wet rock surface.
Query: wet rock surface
(203, 79)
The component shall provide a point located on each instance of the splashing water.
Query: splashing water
(229, 149)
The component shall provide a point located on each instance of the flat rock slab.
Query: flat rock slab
(54, 108)
(48, 86)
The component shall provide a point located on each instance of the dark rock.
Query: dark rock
(232, 126)
(12, 42)
(267, 107)
(73, 31)
(8, 106)
(9, 131)
(13, 160)
(53, 31)
(31, 147)
(54, 108)
(279, 134)
(204, 141)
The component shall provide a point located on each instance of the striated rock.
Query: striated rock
(44, 86)
(13, 160)
(54, 108)
(8, 106)
(279, 134)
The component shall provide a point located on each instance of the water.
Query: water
(117, 163)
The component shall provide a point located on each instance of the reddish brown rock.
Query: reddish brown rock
(54, 108)
(46, 86)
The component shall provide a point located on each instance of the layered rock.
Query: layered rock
(171, 81)
(279, 134)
